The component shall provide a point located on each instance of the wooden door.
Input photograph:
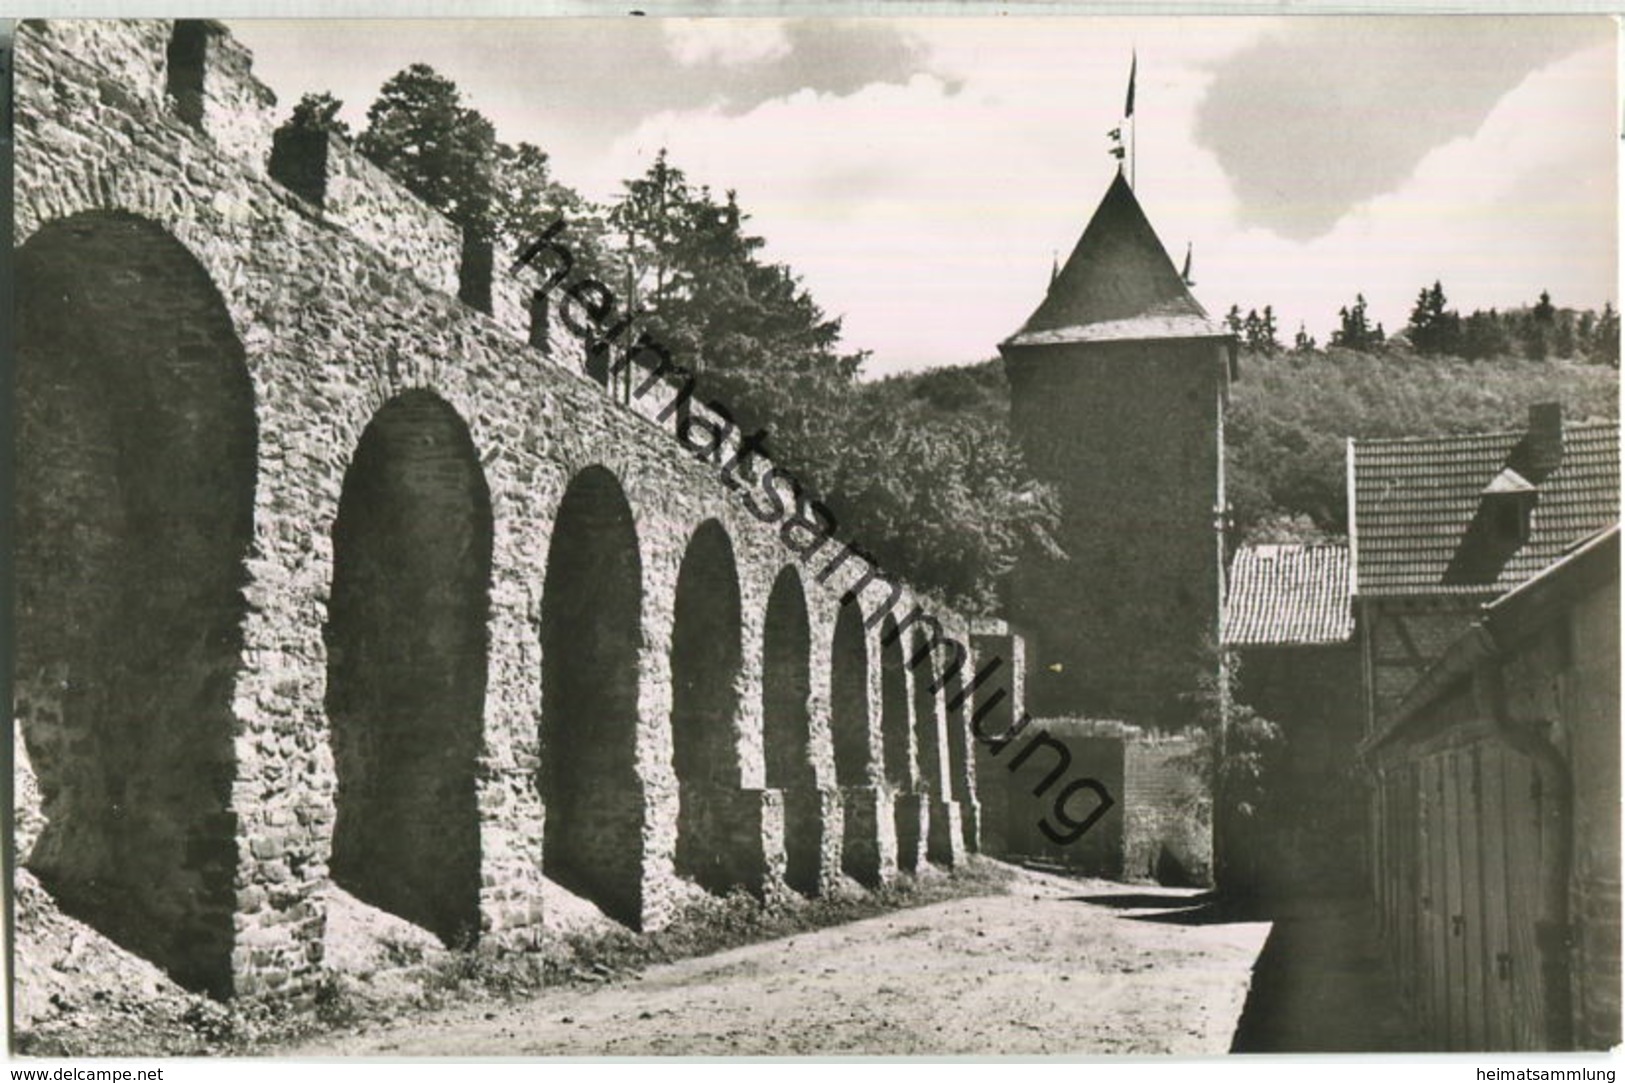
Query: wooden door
(1524, 814)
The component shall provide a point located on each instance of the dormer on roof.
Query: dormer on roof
(1506, 502)
(1477, 513)
(1118, 284)
(1508, 481)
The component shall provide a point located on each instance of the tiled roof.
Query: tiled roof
(1118, 283)
(1514, 615)
(1423, 522)
(1282, 595)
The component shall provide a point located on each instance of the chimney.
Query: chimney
(1545, 439)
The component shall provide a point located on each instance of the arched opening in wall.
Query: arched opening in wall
(705, 663)
(787, 726)
(592, 632)
(135, 476)
(895, 742)
(849, 725)
(927, 740)
(406, 666)
(849, 698)
(957, 709)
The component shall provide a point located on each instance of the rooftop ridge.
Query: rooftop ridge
(1568, 427)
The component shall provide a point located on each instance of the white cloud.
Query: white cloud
(725, 41)
(1527, 203)
(926, 214)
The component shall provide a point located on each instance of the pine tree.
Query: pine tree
(749, 330)
(1605, 340)
(1354, 331)
(652, 219)
(1565, 341)
(1484, 336)
(420, 132)
(1259, 332)
(1251, 329)
(1537, 329)
(1433, 329)
(1270, 340)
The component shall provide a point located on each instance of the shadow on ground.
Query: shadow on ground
(1322, 984)
(1207, 908)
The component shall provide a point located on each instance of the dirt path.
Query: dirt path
(1036, 970)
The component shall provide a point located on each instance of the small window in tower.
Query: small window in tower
(188, 49)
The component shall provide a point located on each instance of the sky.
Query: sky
(921, 175)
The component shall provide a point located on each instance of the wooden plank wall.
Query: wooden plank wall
(1460, 838)
(1498, 1005)
(1437, 925)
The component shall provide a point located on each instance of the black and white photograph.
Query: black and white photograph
(853, 531)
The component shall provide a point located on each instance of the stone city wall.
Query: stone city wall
(325, 576)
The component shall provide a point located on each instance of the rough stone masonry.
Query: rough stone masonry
(324, 574)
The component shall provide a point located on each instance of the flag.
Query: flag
(1134, 64)
(1115, 135)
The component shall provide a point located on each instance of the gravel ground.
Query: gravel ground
(76, 993)
(1035, 970)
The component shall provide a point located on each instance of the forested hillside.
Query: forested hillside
(1292, 412)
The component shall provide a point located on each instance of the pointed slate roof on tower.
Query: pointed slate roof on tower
(1118, 284)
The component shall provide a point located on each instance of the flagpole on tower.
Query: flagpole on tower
(1116, 134)
(1128, 115)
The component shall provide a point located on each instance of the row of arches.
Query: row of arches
(412, 552)
(137, 480)
(593, 797)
